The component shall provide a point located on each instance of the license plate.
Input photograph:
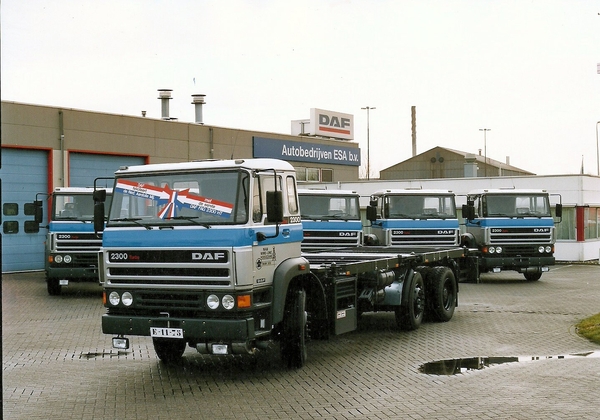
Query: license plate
(166, 332)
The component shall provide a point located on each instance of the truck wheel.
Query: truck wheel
(53, 286)
(169, 350)
(442, 294)
(532, 276)
(293, 342)
(409, 317)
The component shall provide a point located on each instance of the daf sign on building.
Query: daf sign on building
(331, 124)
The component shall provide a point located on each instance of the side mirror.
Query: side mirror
(99, 195)
(558, 211)
(468, 211)
(39, 212)
(371, 213)
(274, 207)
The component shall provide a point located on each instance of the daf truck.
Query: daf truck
(208, 255)
(71, 247)
(330, 219)
(512, 229)
(409, 218)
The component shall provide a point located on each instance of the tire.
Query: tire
(442, 294)
(293, 340)
(169, 350)
(409, 317)
(53, 286)
(532, 276)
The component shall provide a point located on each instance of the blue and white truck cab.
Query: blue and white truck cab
(513, 229)
(208, 255)
(413, 218)
(71, 247)
(330, 219)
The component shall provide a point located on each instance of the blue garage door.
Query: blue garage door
(85, 167)
(24, 173)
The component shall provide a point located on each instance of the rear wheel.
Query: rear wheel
(293, 340)
(442, 294)
(169, 350)
(409, 317)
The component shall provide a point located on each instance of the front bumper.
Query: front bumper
(197, 330)
(73, 273)
(515, 263)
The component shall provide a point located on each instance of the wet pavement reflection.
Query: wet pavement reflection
(459, 366)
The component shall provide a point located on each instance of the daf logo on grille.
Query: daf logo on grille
(217, 256)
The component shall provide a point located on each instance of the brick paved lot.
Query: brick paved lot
(58, 364)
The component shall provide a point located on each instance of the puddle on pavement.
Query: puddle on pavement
(458, 366)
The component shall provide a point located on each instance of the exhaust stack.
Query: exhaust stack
(198, 101)
(165, 95)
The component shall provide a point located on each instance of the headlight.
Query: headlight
(548, 249)
(212, 301)
(114, 298)
(127, 299)
(492, 250)
(540, 249)
(498, 250)
(67, 259)
(228, 302)
(58, 259)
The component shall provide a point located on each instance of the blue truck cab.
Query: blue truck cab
(409, 218)
(71, 247)
(330, 219)
(512, 229)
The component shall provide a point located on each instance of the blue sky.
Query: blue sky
(527, 70)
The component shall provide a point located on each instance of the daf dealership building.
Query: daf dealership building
(44, 147)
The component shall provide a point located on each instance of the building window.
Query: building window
(10, 227)
(565, 230)
(326, 175)
(591, 221)
(314, 174)
(10, 209)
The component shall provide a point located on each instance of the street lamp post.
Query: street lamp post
(368, 108)
(485, 130)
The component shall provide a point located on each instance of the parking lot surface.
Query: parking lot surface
(58, 364)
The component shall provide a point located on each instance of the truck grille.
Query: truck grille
(507, 236)
(78, 242)
(429, 237)
(182, 267)
(318, 239)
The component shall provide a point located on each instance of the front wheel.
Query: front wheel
(533, 276)
(293, 340)
(409, 317)
(169, 350)
(53, 285)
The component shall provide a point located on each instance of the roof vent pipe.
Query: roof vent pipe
(164, 95)
(198, 101)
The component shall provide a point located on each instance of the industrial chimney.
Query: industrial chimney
(198, 101)
(165, 96)
(413, 117)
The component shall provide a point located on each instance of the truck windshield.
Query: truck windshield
(329, 207)
(74, 206)
(204, 198)
(516, 205)
(420, 207)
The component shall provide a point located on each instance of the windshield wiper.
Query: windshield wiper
(132, 219)
(191, 219)
(73, 218)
